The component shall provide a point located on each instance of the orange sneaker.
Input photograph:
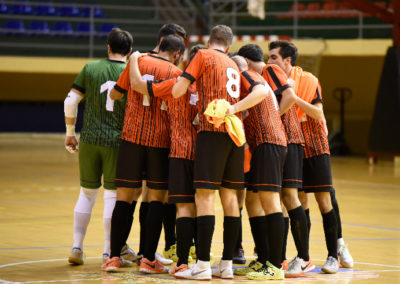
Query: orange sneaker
(179, 268)
(112, 264)
(285, 265)
(155, 266)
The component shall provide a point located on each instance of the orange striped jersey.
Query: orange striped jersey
(315, 135)
(217, 77)
(277, 79)
(263, 122)
(146, 121)
(182, 112)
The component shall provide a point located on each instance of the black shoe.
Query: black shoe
(239, 257)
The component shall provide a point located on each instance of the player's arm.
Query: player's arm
(313, 110)
(137, 82)
(181, 87)
(287, 101)
(257, 95)
(121, 87)
(116, 95)
(71, 111)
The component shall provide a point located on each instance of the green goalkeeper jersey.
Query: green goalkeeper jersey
(103, 117)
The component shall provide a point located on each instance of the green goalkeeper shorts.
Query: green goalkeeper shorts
(95, 161)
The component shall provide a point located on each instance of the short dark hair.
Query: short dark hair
(287, 49)
(196, 48)
(252, 52)
(171, 29)
(222, 35)
(120, 41)
(172, 43)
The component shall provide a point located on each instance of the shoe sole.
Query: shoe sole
(327, 271)
(347, 264)
(198, 279)
(295, 275)
(75, 261)
(111, 269)
(149, 271)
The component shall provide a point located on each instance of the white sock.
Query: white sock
(109, 197)
(82, 214)
(340, 241)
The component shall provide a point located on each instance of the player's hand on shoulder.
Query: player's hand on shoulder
(71, 144)
(136, 55)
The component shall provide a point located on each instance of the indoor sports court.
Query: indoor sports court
(353, 47)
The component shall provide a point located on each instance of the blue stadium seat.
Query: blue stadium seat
(83, 29)
(70, 10)
(16, 27)
(22, 8)
(4, 9)
(63, 29)
(104, 30)
(98, 13)
(39, 28)
(46, 9)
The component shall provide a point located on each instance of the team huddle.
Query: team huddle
(253, 131)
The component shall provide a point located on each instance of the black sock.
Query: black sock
(307, 211)
(169, 219)
(185, 228)
(118, 224)
(129, 221)
(335, 206)
(259, 230)
(298, 225)
(231, 231)
(239, 239)
(330, 230)
(275, 233)
(205, 231)
(153, 229)
(285, 236)
(144, 207)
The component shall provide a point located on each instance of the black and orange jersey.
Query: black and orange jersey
(146, 121)
(217, 77)
(277, 79)
(181, 113)
(263, 122)
(314, 131)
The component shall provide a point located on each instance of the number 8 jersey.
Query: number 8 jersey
(217, 77)
(103, 117)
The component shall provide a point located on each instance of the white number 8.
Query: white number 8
(232, 86)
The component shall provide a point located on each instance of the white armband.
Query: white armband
(71, 104)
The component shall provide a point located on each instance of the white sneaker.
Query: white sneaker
(163, 260)
(128, 254)
(76, 257)
(331, 266)
(125, 262)
(199, 271)
(345, 258)
(223, 270)
(298, 267)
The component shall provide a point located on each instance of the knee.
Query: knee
(303, 198)
(186, 210)
(324, 202)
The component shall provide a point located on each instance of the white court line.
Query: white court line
(43, 260)
(52, 281)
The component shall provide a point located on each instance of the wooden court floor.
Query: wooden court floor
(39, 185)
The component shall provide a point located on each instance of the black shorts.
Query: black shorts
(317, 176)
(180, 181)
(134, 160)
(293, 167)
(266, 168)
(218, 162)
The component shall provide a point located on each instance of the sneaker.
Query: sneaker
(155, 266)
(223, 270)
(128, 254)
(76, 257)
(267, 272)
(105, 257)
(285, 265)
(239, 257)
(125, 263)
(171, 253)
(112, 264)
(179, 268)
(331, 266)
(199, 271)
(163, 260)
(253, 266)
(139, 259)
(298, 267)
(345, 258)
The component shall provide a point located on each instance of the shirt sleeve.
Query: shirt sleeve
(276, 78)
(123, 82)
(195, 68)
(80, 81)
(162, 88)
(247, 82)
